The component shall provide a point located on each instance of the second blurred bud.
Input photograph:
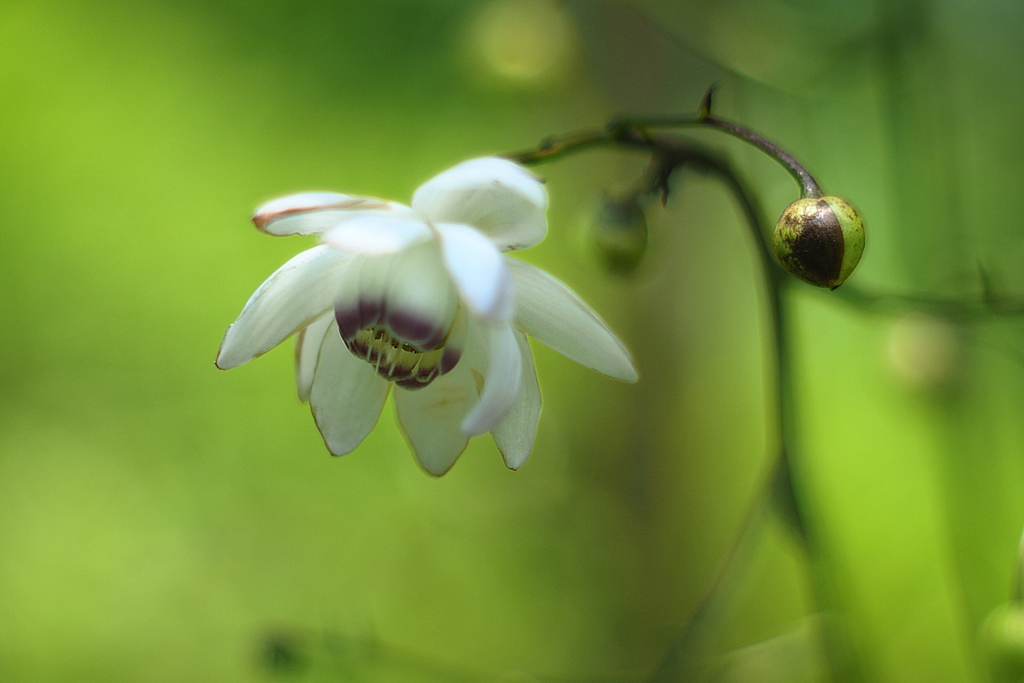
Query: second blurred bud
(617, 228)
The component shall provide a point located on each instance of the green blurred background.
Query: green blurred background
(164, 521)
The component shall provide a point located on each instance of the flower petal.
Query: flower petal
(311, 213)
(359, 297)
(479, 271)
(496, 196)
(550, 312)
(420, 301)
(515, 434)
(501, 380)
(297, 292)
(409, 292)
(431, 417)
(346, 397)
(377, 234)
(307, 351)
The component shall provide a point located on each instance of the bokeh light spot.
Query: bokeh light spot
(923, 351)
(522, 40)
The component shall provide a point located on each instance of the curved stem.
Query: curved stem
(808, 185)
(779, 491)
(637, 131)
(686, 654)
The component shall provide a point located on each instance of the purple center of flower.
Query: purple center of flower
(401, 346)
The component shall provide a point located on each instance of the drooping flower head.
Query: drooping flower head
(422, 297)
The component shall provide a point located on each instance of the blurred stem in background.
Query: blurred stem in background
(689, 658)
(781, 493)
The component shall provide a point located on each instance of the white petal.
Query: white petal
(515, 434)
(307, 351)
(501, 380)
(550, 312)
(311, 213)
(409, 292)
(479, 271)
(347, 395)
(297, 292)
(359, 298)
(420, 301)
(431, 417)
(377, 234)
(495, 196)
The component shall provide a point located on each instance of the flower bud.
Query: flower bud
(619, 230)
(820, 240)
(1001, 640)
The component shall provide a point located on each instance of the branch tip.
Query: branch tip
(704, 111)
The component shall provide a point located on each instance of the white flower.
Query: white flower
(422, 298)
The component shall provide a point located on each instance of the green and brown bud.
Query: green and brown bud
(820, 240)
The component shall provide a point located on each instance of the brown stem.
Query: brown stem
(638, 131)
